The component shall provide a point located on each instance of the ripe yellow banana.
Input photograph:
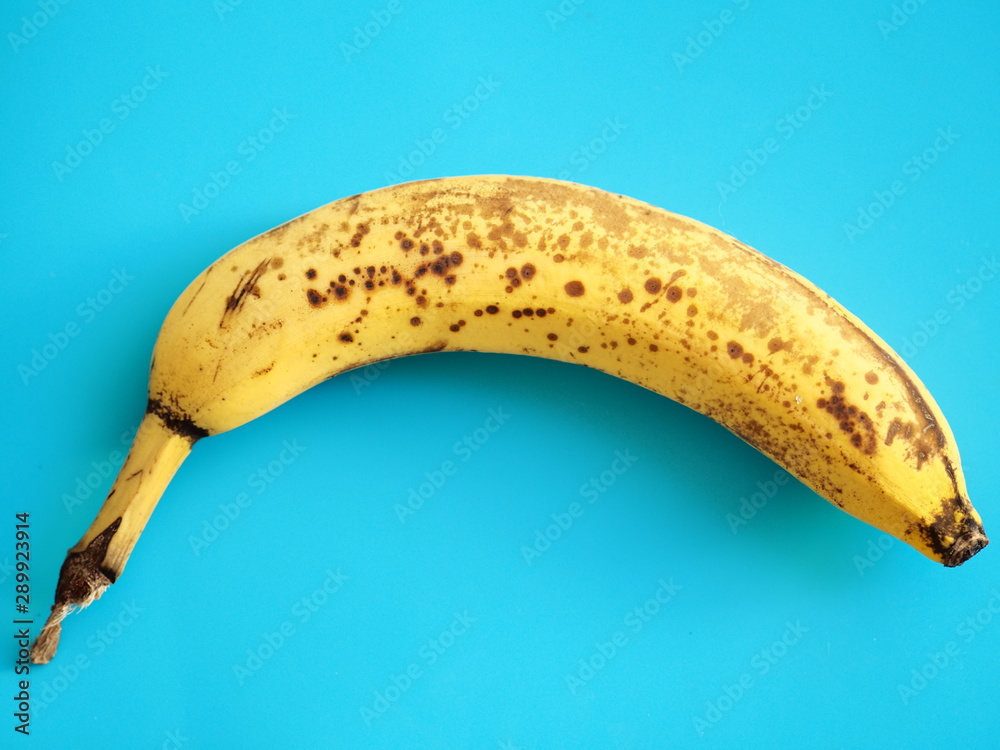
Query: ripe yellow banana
(549, 269)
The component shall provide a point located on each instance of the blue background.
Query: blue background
(663, 102)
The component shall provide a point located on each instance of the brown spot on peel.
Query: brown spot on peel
(851, 420)
(362, 230)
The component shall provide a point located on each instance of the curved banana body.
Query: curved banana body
(557, 270)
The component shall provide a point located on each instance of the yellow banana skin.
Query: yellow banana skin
(550, 269)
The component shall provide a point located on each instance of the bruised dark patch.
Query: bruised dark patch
(894, 427)
(359, 234)
(176, 421)
(851, 420)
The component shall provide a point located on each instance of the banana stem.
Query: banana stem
(96, 561)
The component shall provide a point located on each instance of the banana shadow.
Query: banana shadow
(690, 473)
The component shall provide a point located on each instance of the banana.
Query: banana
(548, 269)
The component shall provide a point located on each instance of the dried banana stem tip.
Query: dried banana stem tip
(965, 547)
(82, 579)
